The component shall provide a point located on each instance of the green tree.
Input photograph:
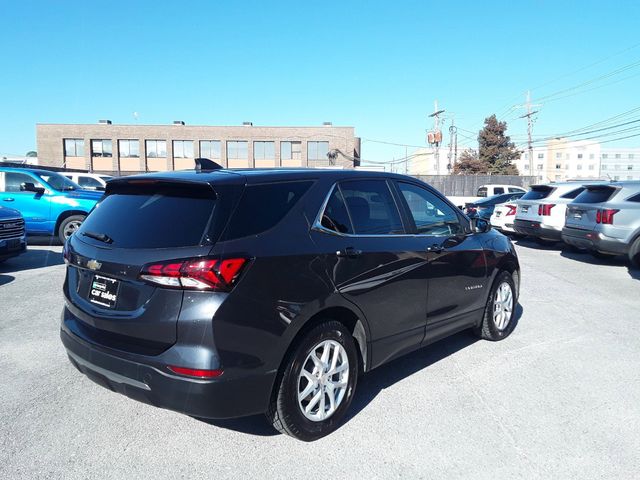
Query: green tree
(496, 149)
(469, 164)
(32, 154)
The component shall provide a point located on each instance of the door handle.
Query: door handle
(435, 248)
(349, 252)
(8, 199)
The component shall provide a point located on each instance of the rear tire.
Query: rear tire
(299, 415)
(68, 226)
(498, 319)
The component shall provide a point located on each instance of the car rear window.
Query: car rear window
(635, 198)
(595, 194)
(263, 206)
(537, 193)
(573, 193)
(153, 216)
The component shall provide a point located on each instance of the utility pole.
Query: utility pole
(435, 137)
(406, 161)
(529, 116)
(453, 145)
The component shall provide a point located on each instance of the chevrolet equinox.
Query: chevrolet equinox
(224, 293)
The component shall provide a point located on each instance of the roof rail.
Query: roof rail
(204, 164)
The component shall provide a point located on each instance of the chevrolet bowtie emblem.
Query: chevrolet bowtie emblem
(94, 264)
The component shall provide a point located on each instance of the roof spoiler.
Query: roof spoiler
(204, 164)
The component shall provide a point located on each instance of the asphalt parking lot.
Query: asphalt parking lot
(557, 399)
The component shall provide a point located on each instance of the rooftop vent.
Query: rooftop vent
(178, 122)
(247, 124)
(327, 124)
(104, 122)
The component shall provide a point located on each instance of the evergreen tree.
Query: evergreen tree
(496, 149)
(469, 164)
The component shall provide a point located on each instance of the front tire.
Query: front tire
(317, 383)
(68, 226)
(498, 320)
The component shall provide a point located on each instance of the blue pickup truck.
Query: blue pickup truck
(50, 203)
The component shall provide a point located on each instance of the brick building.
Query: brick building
(105, 147)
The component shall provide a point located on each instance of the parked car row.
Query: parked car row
(42, 202)
(602, 218)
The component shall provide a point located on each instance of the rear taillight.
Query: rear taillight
(545, 209)
(605, 216)
(512, 210)
(195, 274)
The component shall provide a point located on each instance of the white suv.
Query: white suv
(91, 181)
(541, 211)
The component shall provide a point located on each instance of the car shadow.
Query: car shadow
(4, 279)
(44, 241)
(374, 382)
(619, 261)
(528, 242)
(30, 260)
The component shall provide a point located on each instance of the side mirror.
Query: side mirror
(30, 187)
(480, 225)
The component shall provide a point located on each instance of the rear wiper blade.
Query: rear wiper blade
(101, 237)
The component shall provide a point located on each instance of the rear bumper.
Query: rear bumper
(592, 240)
(144, 379)
(537, 229)
(12, 247)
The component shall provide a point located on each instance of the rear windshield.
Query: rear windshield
(595, 195)
(537, 193)
(573, 193)
(153, 217)
(263, 206)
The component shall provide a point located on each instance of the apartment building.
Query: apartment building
(106, 147)
(620, 163)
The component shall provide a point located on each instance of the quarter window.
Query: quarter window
(431, 214)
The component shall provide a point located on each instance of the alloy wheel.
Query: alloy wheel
(502, 306)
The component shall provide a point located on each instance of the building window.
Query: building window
(129, 148)
(264, 150)
(210, 149)
(558, 155)
(526, 166)
(591, 167)
(604, 155)
(616, 167)
(317, 150)
(237, 150)
(101, 148)
(616, 177)
(290, 150)
(526, 156)
(183, 149)
(541, 155)
(579, 167)
(73, 147)
(631, 156)
(617, 155)
(558, 166)
(566, 166)
(604, 167)
(629, 167)
(540, 166)
(558, 177)
(156, 148)
(579, 155)
(591, 156)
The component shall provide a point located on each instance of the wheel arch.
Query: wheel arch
(66, 214)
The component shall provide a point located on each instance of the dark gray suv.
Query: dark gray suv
(234, 292)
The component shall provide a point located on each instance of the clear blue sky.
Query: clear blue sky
(375, 65)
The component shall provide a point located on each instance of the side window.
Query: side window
(371, 207)
(635, 198)
(431, 215)
(262, 206)
(573, 193)
(498, 191)
(515, 190)
(335, 216)
(84, 181)
(12, 181)
(482, 192)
